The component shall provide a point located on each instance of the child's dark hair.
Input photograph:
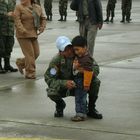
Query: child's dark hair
(79, 41)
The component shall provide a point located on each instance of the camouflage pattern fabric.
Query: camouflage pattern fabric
(110, 8)
(59, 71)
(6, 23)
(48, 7)
(126, 8)
(63, 7)
(6, 28)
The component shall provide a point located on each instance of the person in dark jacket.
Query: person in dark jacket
(90, 19)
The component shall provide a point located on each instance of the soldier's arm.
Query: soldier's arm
(52, 75)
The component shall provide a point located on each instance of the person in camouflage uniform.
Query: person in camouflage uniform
(110, 10)
(126, 10)
(63, 10)
(6, 34)
(59, 79)
(48, 9)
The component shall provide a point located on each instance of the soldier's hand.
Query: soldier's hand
(70, 84)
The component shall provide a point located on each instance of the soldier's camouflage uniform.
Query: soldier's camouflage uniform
(6, 30)
(56, 76)
(110, 10)
(63, 9)
(48, 9)
(126, 10)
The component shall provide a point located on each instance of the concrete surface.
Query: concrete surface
(25, 110)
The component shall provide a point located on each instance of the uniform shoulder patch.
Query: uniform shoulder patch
(53, 71)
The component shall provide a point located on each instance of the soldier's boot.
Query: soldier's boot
(7, 66)
(106, 20)
(61, 18)
(92, 111)
(50, 17)
(93, 95)
(128, 18)
(65, 18)
(111, 20)
(60, 106)
(123, 18)
(2, 71)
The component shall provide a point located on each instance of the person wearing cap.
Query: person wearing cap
(60, 80)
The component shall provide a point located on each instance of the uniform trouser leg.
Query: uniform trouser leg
(30, 49)
(6, 46)
(108, 12)
(93, 94)
(89, 31)
(60, 105)
(128, 14)
(123, 15)
(58, 100)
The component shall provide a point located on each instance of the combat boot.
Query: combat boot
(7, 66)
(61, 18)
(60, 105)
(111, 20)
(106, 20)
(65, 18)
(123, 19)
(128, 18)
(50, 17)
(94, 114)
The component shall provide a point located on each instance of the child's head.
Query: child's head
(79, 44)
(64, 46)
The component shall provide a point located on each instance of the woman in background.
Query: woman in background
(30, 22)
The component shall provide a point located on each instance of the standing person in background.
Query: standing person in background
(110, 10)
(6, 34)
(126, 10)
(63, 10)
(30, 22)
(48, 9)
(90, 19)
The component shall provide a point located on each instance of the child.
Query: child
(82, 70)
(110, 10)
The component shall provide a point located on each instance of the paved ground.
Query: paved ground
(25, 110)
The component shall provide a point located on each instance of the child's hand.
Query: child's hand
(76, 64)
(86, 88)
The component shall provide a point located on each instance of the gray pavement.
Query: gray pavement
(26, 111)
